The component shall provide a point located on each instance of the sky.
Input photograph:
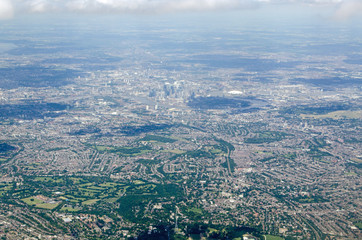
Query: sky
(339, 10)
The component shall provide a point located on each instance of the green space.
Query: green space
(133, 199)
(55, 149)
(111, 200)
(154, 138)
(124, 151)
(290, 156)
(104, 148)
(176, 151)
(4, 148)
(108, 184)
(32, 201)
(356, 160)
(316, 148)
(229, 162)
(212, 230)
(195, 236)
(6, 151)
(32, 166)
(266, 137)
(316, 110)
(70, 209)
(138, 129)
(195, 210)
(142, 189)
(207, 151)
(48, 206)
(89, 190)
(48, 179)
(335, 115)
(359, 225)
(95, 188)
(4, 188)
(351, 139)
(76, 180)
(92, 192)
(199, 153)
(271, 237)
(137, 182)
(351, 173)
(267, 159)
(37, 202)
(144, 161)
(73, 199)
(313, 199)
(137, 198)
(90, 202)
(224, 145)
(215, 151)
(86, 184)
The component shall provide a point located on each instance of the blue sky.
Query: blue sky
(339, 10)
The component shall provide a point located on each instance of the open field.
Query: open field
(270, 237)
(90, 202)
(69, 209)
(41, 203)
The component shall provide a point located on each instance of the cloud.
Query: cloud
(349, 9)
(135, 6)
(6, 9)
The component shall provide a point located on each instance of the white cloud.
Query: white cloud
(345, 8)
(136, 6)
(6, 9)
(349, 9)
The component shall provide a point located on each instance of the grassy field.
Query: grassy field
(359, 225)
(73, 199)
(111, 200)
(48, 206)
(104, 148)
(124, 151)
(69, 209)
(160, 139)
(176, 151)
(86, 184)
(270, 237)
(195, 210)
(96, 188)
(55, 149)
(350, 173)
(108, 184)
(90, 202)
(138, 182)
(76, 180)
(266, 137)
(48, 179)
(5, 186)
(89, 190)
(212, 230)
(34, 201)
